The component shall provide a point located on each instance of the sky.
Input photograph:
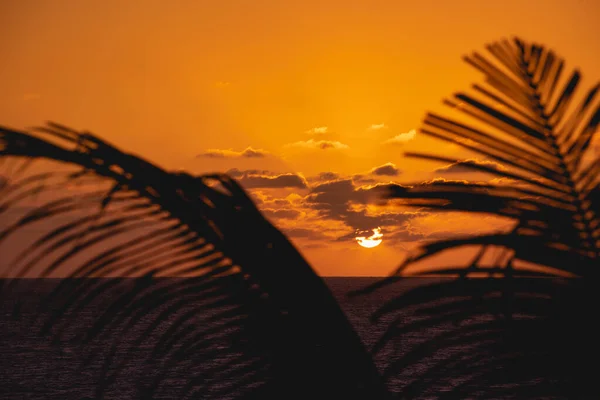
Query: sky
(310, 104)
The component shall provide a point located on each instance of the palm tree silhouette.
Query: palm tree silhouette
(223, 301)
(250, 311)
(509, 329)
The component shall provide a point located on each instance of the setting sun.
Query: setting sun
(372, 241)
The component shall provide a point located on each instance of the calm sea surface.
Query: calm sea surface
(31, 368)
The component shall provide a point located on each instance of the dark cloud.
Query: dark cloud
(324, 177)
(466, 166)
(398, 191)
(281, 213)
(363, 180)
(358, 179)
(267, 201)
(362, 221)
(253, 153)
(335, 192)
(335, 199)
(279, 202)
(452, 182)
(328, 176)
(388, 169)
(262, 179)
(402, 233)
(343, 192)
(237, 173)
(358, 232)
(249, 152)
(273, 182)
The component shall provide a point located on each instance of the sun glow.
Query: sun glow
(372, 241)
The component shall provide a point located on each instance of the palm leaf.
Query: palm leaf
(552, 191)
(212, 297)
(509, 335)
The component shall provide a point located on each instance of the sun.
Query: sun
(372, 241)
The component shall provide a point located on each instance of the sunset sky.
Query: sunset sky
(308, 103)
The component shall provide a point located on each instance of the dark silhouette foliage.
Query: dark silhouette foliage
(220, 297)
(509, 324)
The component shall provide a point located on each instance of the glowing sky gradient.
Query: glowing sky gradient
(307, 103)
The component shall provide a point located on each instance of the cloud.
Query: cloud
(260, 179)
(402, 138)
(395, 235)
(376, 127)
(249, 152)
(344, 191)
(319, 144)
(359, 233)
(361, 208)
(358, 179)
(267, 200)
(319, 130)
(464, 166)
(336, 192)
(388, 169)
(363, 180)
(325, 176)
(443, 181)
(337, 201)
(273, 182)
(237, 173)
(340, 209)
(281, 214)
(328, 176)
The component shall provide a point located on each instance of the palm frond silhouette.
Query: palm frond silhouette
(216, 281)
(221, 298)
(552, 192)
(510, 335)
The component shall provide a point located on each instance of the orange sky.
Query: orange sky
(173, 80)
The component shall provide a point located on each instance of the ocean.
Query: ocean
(35, 368)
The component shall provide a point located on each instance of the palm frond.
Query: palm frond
(541, 145)
(492, 326)
(184, 272)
